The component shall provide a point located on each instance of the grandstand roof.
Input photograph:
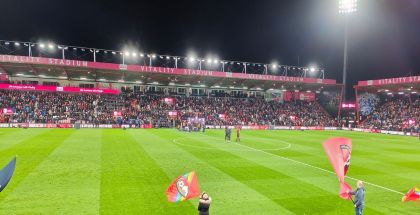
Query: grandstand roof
(53, 68)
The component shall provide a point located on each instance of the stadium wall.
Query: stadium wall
(255, 127)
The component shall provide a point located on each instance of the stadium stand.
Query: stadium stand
(144, 108)
(397, 113)
(389, 104)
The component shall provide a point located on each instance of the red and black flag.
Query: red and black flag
(338, 150)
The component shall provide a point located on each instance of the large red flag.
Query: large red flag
(338, 150)
(412, 195)
(183, 187)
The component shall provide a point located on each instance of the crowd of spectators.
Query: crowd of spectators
(367, 103)
(145, 108)
(399, 113)
(49, 107)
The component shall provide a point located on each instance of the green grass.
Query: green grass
(94, 171)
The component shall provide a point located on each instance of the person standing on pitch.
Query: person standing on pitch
(359, 194)
(204, 204)
(226, 133)
(238, 134)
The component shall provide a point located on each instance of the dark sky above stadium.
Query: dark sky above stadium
(384, 35)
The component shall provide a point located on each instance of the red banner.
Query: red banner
(173, 113)
(58, 89)
(303, 96)
(117, 113)
(7, 111)
(151, 69)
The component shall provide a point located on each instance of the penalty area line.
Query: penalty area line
(315, 167)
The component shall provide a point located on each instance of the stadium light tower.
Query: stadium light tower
(346, 7)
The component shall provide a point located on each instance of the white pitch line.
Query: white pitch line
(309, 165)
(218, 148)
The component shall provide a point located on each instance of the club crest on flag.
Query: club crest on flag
(183, 187)
(346, 152)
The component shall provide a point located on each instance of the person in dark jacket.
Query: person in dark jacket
(204, 204)
(359, 201)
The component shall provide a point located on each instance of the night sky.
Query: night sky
(384, 39)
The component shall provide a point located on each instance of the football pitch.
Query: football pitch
(109, 171)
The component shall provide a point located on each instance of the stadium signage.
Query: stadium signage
(275, 78)
(39, 60)
(390, 81)
(58, 89)
(157, 69)
(151, 69)
(198, 72)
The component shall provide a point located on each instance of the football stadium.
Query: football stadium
(88, 130)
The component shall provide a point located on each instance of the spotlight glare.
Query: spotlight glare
(50, 46)
(347, 6)
(17, 44)
(274, 66)
(41, 45)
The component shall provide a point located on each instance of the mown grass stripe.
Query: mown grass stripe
(261, 159)
(131, 182)
(14, 136)
(31, 153)
(224, 188)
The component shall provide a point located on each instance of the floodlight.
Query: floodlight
(274, 66)
(347, 6)
(41, 45)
